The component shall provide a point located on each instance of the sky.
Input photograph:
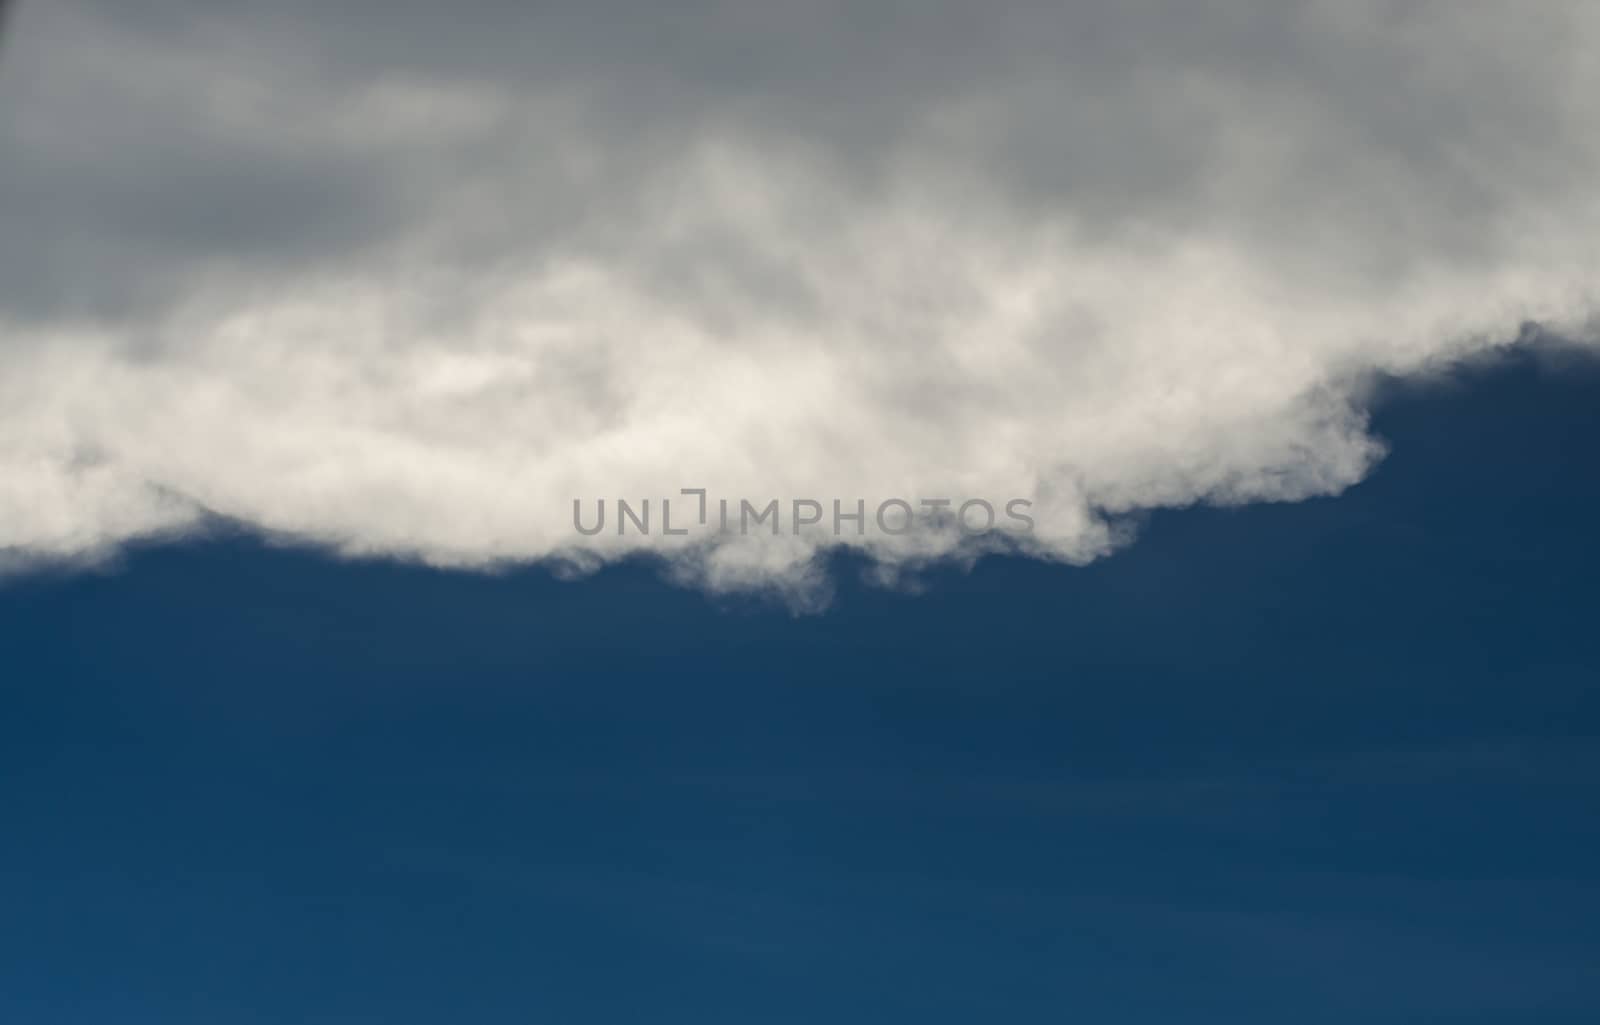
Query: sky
(1267, 331)
(1332, 761)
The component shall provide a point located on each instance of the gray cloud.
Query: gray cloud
(407, 277)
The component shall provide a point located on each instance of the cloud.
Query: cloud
(408, 278)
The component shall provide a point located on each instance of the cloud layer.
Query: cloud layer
(409, 278)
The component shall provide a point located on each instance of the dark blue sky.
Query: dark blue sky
(1333, 762)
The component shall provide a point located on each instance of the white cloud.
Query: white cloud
(417, 306)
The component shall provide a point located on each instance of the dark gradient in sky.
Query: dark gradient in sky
(1334, 762)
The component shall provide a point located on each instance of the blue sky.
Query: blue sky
(1332, 761)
